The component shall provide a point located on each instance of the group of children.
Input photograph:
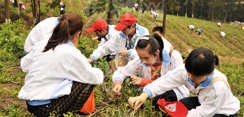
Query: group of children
(59, 77)
(219, 24)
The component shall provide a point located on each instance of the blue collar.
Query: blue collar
(56, 22)
(205, 83)
(109, 27)
(166, 57)
(70, 43)
(143, 64)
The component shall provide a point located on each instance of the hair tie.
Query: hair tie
(145, 38)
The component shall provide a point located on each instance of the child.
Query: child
(199, 32)
(105, 32)
(219, 24)
(159, 30)
(122, 43)
(58, 79)
(154, 15)
(191, 27)
(154, 61)
(222, 34)
(214, 99)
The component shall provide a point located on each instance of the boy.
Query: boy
(159, 30)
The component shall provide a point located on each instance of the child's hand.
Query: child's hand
(136, 102)
(117, 89)
(94, 38)
(135, 80)
(90, 60)
(123, 53)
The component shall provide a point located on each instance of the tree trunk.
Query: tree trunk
(173, 12)
(219, 14)
(7, 11)
(165, 12)
(230, 17)
(16, 6)
(212, 14)
(226, 13)
(109, 18)
(209, 12)
(34, 11)
(201, 12)
(186, 12)
(192, 12)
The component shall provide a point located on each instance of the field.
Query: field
(230, 51)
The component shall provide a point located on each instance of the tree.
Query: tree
(34, 10)
(7, 11)
(16, 7)
(193, 5)
(165, 12)
(186, 4)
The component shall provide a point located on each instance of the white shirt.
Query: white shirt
(222, 34)
(47, 70)
(136, 67)
(214, 99)
(167, 44)
(191, 26)
(219, 24)
(43, 30)
(154, 13)
(118, 43)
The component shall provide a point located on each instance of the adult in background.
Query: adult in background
(199, 31)
(58, 79)
(222, 34)
(191, 27)
(219, 24)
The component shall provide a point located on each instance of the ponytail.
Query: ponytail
(161, 44)
(68, 25)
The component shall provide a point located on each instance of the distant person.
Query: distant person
(20, 4)
(191, 27)
(214, 97)
(13, 3)
(104, 32)
(222, 34)
(199, 32)
(62, 8)
(136, 6)
(242, 28)
(219, 24)
(23, 6)
(133, 10)
(122, 43)
(59, 79)
(154, 15)
(159, 30)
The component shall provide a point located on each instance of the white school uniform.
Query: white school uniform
(191, 26)
(167, 44)
(222, 34)
(136, 67)
(214, 99)
(43, 30)
(117, 43)
(50, 74)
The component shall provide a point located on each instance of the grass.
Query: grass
(11, 50)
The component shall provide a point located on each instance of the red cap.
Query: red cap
(126, 20)
(98, 25)
(219, 32)
(175, 109)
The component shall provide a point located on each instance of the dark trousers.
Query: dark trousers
(192, 103)
(69, 103)
(169, 96)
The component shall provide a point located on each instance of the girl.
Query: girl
(214, 99)
(154, 60)
(59, 77)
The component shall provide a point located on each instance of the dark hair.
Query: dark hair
(161, 44)
(158, 28)
(201, 61)
(152, 44)
(130, 26)
(68, 25)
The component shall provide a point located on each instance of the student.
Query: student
(43, 30)
(159, 30)
(199, 32)
(219, 24)
(242, 28)
(104, 33)
(62, 8)
(122, 43)
(222, 34)
(191, 27)
(136, 6)
(154, 61)
(58, 79)
(214, 99)
(154, 15)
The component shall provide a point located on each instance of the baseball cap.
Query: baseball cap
(126, 20)
(98, 25)
(175, 109)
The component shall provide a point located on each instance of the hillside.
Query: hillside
(229, 49)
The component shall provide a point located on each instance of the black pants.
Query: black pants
(192, 103)
(69, 103)
(169, 96)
